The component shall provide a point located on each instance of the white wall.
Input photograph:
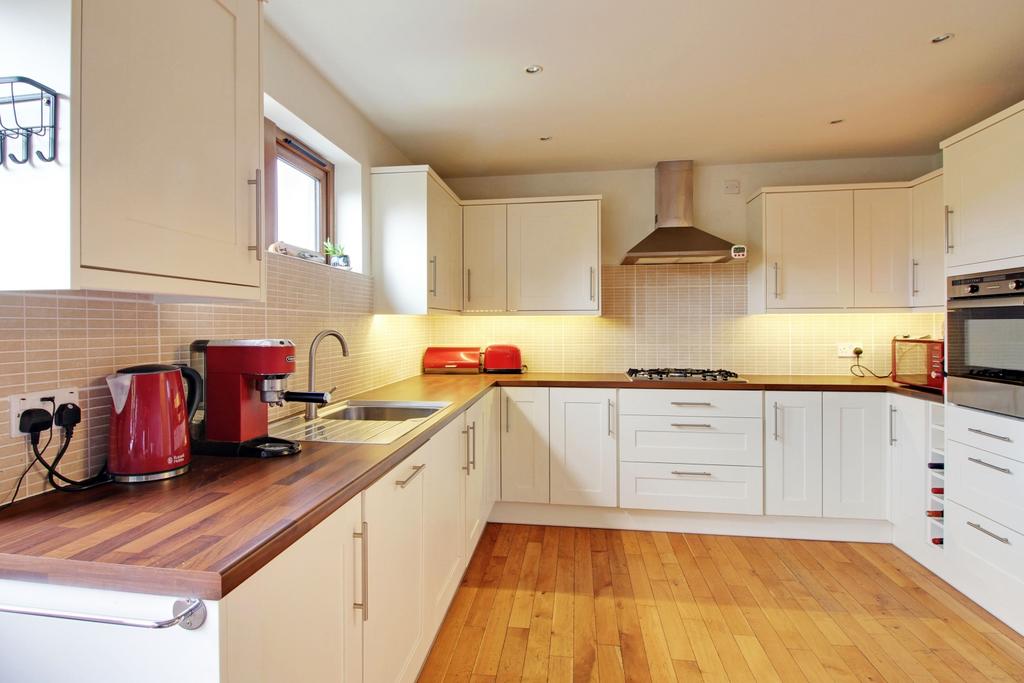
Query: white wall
(628, 207)
(301, 88)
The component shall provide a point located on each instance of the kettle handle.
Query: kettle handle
(194, 382)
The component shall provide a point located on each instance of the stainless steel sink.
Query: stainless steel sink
(374, 422)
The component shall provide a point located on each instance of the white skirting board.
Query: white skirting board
(809, 528)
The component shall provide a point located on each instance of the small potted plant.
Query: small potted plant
(334, 255)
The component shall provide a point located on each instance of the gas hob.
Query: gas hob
(683, 375)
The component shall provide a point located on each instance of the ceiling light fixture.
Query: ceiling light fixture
(942, 38)
(835, 122)
(544, 138)
(533, 69)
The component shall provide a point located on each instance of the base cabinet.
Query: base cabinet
(793, 453)
(525, 456)
(584, 466)
(855, 481)
(909, 453)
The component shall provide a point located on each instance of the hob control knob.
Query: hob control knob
(1017, 284)
(973, 289)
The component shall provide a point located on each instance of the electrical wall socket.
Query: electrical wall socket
(22, 402)
(846, 350)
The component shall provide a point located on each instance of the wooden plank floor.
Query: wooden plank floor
(562, 604)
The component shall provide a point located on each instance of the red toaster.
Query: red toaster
(451, 359)
(503, 358)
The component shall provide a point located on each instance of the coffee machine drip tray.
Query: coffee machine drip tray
(260, 447)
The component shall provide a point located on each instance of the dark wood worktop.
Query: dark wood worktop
(204, 533)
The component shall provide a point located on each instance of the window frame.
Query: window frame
(278, 144)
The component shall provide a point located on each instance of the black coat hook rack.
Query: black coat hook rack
(19, 97)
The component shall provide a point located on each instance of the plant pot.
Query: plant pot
(341, 262)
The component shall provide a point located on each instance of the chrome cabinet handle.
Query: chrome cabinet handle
(433, 275)
(611, 413)
(469, 284)
(1001, 539)
(508, 415)
(591, 283)
(914, 264)
(892, 433)
(190, 614)
(949, 243)
(364, 536)
(472, 428)
(468, 447)
(690, 403)
(776, 408)
(997, 468)
(691, 474)
(258, 182)
(686, 424)
(990, 435)
(416, 469)
(775, 267)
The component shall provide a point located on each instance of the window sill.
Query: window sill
(291, 251)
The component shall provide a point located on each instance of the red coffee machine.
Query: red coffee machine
(243, 377)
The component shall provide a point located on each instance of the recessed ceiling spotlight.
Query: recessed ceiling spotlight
(835, 122)
(534, 69)
(544, 138)
(942, 38)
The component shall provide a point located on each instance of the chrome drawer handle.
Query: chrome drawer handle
(989, 434)
(691, 403)
(469, 447)
(682, 424)
(1001, 539)
(691, 474)
(364, 536)
(190, 614)
(997, 468)
(416, 469)
(775, 409)
(472, 429)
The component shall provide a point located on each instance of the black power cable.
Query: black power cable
(858, 370)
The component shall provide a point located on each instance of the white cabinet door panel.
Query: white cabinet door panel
(583, 459)
(475, 470)
(793, 453)
(928, 277)
(987, 431)
(855, 465)
(909, 452)
(444, 248)
(691, 402)
(711, 440)
(525, 473)
(484, 249)
(882, 263)
(691, 488)
(987, 483)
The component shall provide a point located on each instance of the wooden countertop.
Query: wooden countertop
(204, 533)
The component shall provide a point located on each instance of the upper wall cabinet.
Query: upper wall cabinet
(982, 187)
(164, 183)
(844, 247)
(417, 241)
(483, 255)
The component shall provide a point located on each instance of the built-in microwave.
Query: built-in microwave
(985, 341)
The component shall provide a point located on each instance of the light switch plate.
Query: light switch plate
(22, 402)
(732, 187)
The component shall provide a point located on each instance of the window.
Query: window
(300, 192)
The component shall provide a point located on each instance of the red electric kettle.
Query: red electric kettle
(149, 421)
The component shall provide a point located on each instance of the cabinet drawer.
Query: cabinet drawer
(987, 431)
(709, 440)
(988, 552)
(720, 402)
(691, 488)
(987, 483)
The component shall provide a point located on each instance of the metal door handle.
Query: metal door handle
(258, 182)
(691, 474)
(508, 415)
(990, 435)
(611, 405)
(914, 291)
(591, 283)
(469, 284)
(1001, 539)
(997, 468)
(691, 403)
(468, 447)
(775, 412)
(949, 243)
(892, 433)
(364, 536)
(433, 275)
(684, 424)
(190, 614)
(416, 469)
(775, 267)
(472, 428)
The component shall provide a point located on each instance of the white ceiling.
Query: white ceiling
(628, 83)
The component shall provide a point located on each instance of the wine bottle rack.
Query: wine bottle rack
(936, 479)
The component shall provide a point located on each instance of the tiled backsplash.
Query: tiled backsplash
(688, 316)
(66, 339)
(661, 316)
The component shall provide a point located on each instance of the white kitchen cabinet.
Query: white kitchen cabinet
(490, 448)
(525, 456)
(691, 488)
(475, 471)
(855, 466)
(583, 447)
(928, 273)
(808, 238)
(908, 447)
(708, 440)
(417, 239)
(554, 256)
(793, 453)
(154, 192)
(484, 258)
(444, 518)
(982, 188)
(882, 222)
(394, 634)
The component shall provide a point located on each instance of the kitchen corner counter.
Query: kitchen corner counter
(204, 533)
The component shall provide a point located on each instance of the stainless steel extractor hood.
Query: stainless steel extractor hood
(674, 239)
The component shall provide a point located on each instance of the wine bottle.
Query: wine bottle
(933, 513)
(937, 540)
(936, 466)
(939, 490)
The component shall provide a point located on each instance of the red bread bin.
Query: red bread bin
(451, 360)
(504, 358)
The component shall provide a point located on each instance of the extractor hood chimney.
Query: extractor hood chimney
(674, 239)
